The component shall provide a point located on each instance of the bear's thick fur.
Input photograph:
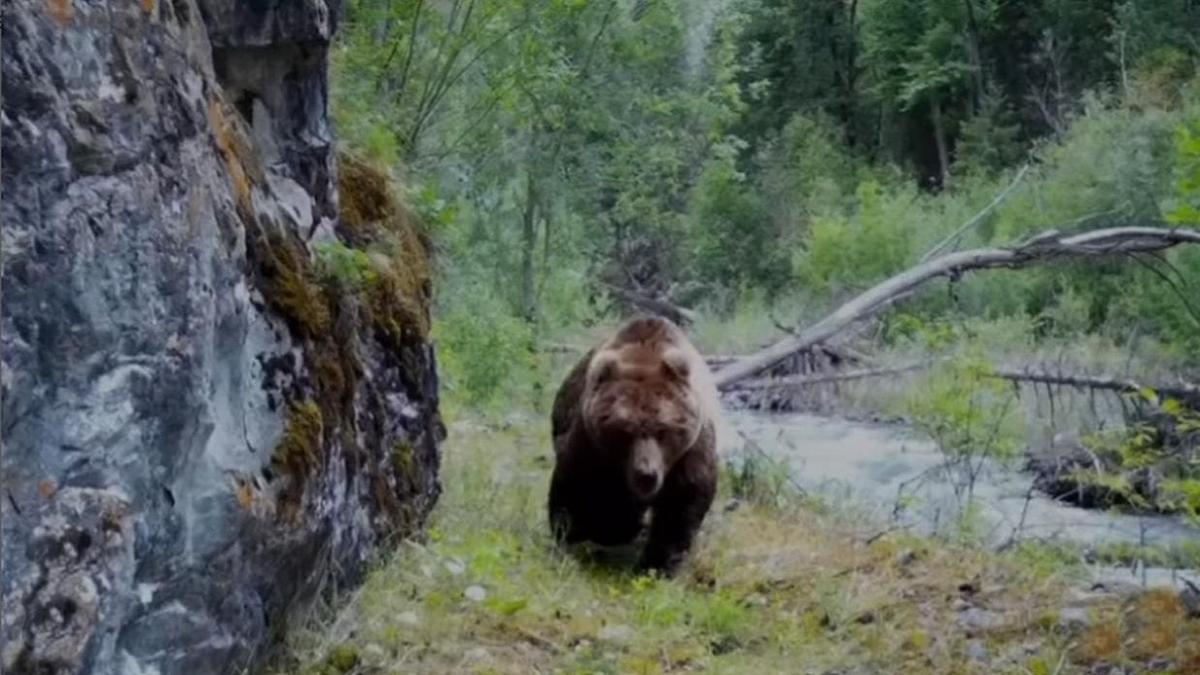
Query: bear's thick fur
(635, 430)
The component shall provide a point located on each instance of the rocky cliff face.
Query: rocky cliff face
(204, 425)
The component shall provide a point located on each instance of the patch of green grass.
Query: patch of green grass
(772, 584)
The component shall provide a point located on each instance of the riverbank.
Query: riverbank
(781, 583)
(892, 474)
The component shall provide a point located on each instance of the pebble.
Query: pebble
(476, 593)
(1161, 665)
(455, 567)
(1190, 597)
(408, 618)
(976, 619)
(757, 600)
(375, 652)
(477, 654)
(1073, 619)
(618, 633)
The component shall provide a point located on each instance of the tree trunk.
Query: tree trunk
(939, 138)
(976, 56)
(528, 246)
(850, 77)
(1039, 249)
(1184, 391)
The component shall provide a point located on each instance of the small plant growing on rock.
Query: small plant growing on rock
(348, 268)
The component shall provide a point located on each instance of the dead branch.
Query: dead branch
(680, 315)
(1184, 391)
(977, 218)
(794, 381)
(1040, 249)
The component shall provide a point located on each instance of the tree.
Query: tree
(917, 53)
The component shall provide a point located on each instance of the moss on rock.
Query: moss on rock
(373, 216)
(299, 450)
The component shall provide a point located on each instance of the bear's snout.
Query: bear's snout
(645, 469)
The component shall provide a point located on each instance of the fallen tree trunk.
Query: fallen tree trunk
(1184, 391)
(680, 315)
(795, 381)
(1040, 249)
(836, 354)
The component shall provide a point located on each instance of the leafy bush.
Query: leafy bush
(485, 352)
(870, 245)
(734, 245)
(971, 417)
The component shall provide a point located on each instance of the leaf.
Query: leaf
(1038, 666)
(507, 607)
(1173, 407)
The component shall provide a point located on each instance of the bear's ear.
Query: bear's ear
(675, 364)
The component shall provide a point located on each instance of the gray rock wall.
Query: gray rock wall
(200, 432)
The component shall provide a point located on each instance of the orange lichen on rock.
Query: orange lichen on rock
(236, 149)
(63, 11)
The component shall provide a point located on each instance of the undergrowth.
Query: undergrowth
(778, 585)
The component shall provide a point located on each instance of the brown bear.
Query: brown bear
(635, 431)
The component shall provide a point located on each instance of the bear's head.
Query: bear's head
(639, 406)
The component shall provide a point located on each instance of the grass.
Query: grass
(777, 585)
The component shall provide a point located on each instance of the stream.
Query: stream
(864, 465)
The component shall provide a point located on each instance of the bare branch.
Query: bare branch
(977, 218)
(1184, 390)
(680, 315)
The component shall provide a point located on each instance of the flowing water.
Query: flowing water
(895, 476)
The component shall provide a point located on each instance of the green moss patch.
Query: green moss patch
(373, 217)
(374, 284)
(299, 451)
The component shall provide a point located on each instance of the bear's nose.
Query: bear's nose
(645, 482)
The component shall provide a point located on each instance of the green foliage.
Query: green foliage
(349, 268)
(796, 57)
(342, 659)
(1165, 446)
(485, 351)
(971, 417)
(720, 155)
(759, 478)
(1187, 211)
(915, 49)
(874, 243)
(734, 248)
(990, 139)
(803, 172)
(1183, 496)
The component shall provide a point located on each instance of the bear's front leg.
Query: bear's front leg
(679, 510)
(564, 527)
